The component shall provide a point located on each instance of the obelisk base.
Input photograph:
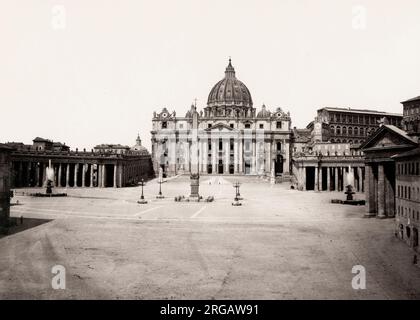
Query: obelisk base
(195, 185)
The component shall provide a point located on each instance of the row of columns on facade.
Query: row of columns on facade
(84, 175)
(259, 160)
(335, 178)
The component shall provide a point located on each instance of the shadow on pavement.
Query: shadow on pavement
(21, 224)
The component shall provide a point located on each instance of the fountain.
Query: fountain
(349, 181)
(50, 178)
(349, 185)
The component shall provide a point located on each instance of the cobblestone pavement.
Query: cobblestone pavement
(280, 244)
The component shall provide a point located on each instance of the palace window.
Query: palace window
(344, 130)
(231, 125)
(220, 144)
(209, 125)
(350, 131)
(164, 125)
(278, 125)
(338, 130)
(261, 126)
(247, 126)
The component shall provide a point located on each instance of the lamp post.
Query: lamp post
(237, 194)
(142, 201)
(160, 196)
(236, 186)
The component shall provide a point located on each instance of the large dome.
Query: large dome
(229, 91)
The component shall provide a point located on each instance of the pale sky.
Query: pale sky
(97, 75)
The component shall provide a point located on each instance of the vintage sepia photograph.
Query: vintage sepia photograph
(209, 150)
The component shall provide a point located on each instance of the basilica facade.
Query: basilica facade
(233, 136)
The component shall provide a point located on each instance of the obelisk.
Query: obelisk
(195, 176)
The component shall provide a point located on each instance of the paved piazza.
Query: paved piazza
(281, 244)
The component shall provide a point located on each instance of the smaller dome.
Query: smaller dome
(138, 148)
(264, 113)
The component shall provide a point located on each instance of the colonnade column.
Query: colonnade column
(84, 175)
(28, 174)
(115, 176)
(59, 175)
(103, 176)
(328, 179)
(36, 182)
(76, 173)
(91, 175)
(45, 175)
(320, 179)
(20, 174)
(370, 191)
(337, 188)
(381, 191)
(120, 176)
(55, 175)
(99, 175)
(360, 174)
(68, 175)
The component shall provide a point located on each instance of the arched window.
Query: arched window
(344, 131)
(356, 131)
(350, 131)
(332, 129)
(338, 130)
(362, 131)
